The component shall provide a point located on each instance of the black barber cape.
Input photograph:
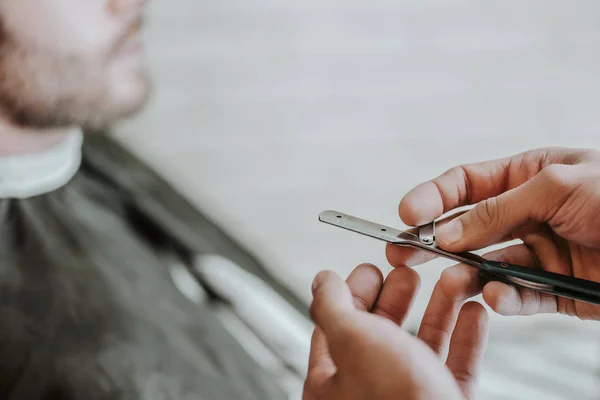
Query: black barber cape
(88, 306)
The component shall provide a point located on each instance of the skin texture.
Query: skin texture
(65, 64)
(360, 351)
(547, 198)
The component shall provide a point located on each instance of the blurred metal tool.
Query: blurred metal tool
(424, 239)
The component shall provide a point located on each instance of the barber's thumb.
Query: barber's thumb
(487, 223)
(332, 307)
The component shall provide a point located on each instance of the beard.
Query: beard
(44, 89)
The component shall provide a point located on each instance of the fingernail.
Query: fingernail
(450, 233)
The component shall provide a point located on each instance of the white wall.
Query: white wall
(269, 111)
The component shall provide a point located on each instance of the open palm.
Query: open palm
(359, 350)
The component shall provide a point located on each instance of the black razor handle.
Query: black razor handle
(543, 281)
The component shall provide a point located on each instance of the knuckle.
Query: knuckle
(434, 345)
(438, 323)
(467, 346)
(445, 282)
(558, 176)
(465, 376)
(435, 330)
(488, 212)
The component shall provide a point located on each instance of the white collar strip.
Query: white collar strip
(29, 175)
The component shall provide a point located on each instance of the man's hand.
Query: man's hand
(360, 351)
(548, 198)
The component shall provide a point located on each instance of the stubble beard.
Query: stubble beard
(43, 91)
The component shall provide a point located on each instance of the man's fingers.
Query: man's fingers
(320, 365)
(397, 295)
(469, 184)
(365, 283)
(455, 286)
(461, 282)
(331, 300)
(334, 311)
(467, 347)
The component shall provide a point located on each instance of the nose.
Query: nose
(120, 7)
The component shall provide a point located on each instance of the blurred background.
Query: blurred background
(267, 112)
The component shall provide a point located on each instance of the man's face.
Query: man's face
(71, 62)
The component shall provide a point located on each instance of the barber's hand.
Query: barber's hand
(548, 198)
(359, 350)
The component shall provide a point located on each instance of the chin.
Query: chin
(94, 104)
(125, 100)
(130, 96)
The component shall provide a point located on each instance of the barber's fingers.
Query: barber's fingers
(400, 256)
(537, 200)
(503, 298)
(471, 183)
(511, 300)
(461, 282)
(467, 347)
